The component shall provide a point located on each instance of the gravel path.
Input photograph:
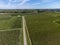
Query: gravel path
(24, 33)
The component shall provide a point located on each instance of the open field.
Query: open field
(42, 28)
(11, 30)
(10, 22)
(10, 37)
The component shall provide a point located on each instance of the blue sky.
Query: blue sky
(29, 4)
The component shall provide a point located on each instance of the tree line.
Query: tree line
(27, 10)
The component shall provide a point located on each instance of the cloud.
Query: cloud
(22, 2)
(10, 5)
(36, 4)
(55, 5)
(18, 4)
(14, 0)
(4, 6)
(45, 1)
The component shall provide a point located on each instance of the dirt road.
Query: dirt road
(24, 33)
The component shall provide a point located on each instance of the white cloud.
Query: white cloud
(36, 4)
(21, 5)
(13, 4)
(22, 2)
(13, 0)
(45, 1)
(55, 5)
(4, 6)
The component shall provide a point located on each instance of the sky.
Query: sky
(29, 4)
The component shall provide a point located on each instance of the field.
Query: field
(10, 37)
(10, 30)
(9, 22)
(44, 29)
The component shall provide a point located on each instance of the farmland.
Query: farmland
(10, 30)
(9, 22)
(42, 28)
(9, 37)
